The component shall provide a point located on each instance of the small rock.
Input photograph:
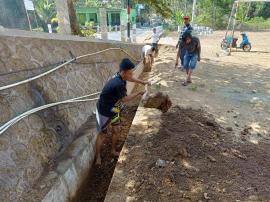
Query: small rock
(161, 163)
(236, 124)
(200, 124)
(229, 128)
(186, 196)
(212, 159)
(42, 186)
(235, 116)
(194, 135)
(205, 195)
(254, 91)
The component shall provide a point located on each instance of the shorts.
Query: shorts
(190, 60)
(103, 122)
(182, 55)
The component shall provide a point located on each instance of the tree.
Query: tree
(45, 9)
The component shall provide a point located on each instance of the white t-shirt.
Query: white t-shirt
(146, 50)
(155, 38)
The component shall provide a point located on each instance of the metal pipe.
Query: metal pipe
(128, 24)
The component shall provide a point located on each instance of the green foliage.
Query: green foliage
(161, 7)
(45, 9)
(88, 32)
(256, 24)
(179, 17)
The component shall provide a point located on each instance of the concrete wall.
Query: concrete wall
(13, 14)
(29, 149)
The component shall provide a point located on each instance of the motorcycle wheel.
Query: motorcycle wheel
(223, 45)
(247, 48)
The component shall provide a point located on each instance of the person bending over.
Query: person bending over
(107, 111)
(148, 56)
(192, 56)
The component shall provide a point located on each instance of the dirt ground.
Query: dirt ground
(191, 158)
(235, 89)
(213, 145)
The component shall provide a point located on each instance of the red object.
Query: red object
(128, 9)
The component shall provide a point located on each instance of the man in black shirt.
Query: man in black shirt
(107, 112)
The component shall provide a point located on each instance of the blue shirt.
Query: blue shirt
(113, 91)
(186, 29)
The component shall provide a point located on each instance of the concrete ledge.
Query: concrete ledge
(145, 124)
(72, 171)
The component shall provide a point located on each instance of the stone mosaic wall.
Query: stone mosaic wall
(32, 144)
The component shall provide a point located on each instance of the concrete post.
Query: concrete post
(63, 16)
(123, 33)
(103, 23)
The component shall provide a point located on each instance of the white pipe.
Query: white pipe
(11, 122)
(59, 66)
(8, 124)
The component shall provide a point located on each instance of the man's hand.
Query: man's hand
(176, 64)
(199, 58)
(147, 83)
(141, 93)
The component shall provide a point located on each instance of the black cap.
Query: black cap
(126, 64)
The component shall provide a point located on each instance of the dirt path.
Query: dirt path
(235, 89)
(185, 156)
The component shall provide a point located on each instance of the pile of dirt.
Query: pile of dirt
(192, 159)
(158, 100)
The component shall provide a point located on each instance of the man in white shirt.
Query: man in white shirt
(148, 57)
(155, 39)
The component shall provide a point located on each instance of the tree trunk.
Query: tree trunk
(75, 29)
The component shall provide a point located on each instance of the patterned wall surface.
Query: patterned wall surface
(31, 145)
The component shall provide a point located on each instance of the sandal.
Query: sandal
(184, 83)
(189, 81)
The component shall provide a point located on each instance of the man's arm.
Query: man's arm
(148, 38)
(177, 56)
(199, 51)
(131, 97)
(138, 81)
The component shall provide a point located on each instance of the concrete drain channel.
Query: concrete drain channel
(96, 184)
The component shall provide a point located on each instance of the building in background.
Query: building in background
(114, 16)
(13, 14)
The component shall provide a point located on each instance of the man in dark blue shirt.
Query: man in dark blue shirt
(187, 29)
(107, 112)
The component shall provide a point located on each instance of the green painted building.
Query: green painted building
(114, 16)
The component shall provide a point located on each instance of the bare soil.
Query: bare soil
(214, 143)
(201, 162)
